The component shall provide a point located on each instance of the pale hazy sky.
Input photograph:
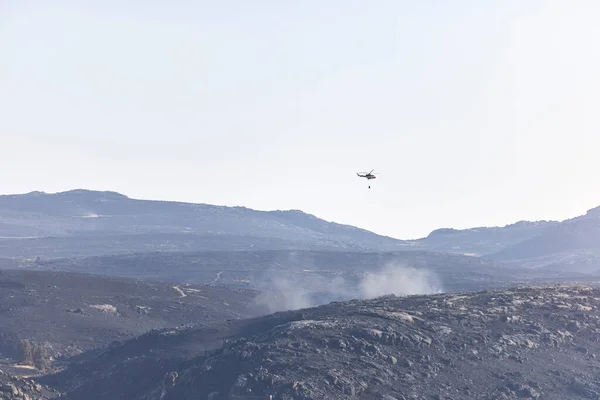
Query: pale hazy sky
(474, 112)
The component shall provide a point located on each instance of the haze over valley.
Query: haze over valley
(283, 253)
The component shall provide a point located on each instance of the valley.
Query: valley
(283, 303)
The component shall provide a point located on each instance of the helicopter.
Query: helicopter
(368, 175)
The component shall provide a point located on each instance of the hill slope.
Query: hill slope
(85, 222)
(569, 236)
(572, 245)
(524, 343)
(18, 388)
(69, 312)
(309, 278)
(483, 240)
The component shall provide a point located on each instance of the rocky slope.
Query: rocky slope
(67, 313)
(18, 388)
(522, 343)
(85, 222)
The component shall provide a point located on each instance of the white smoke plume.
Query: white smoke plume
(400, 281)
(285, 292)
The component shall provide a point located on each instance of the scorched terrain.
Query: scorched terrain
(522, 343)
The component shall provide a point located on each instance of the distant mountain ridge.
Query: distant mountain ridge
(570, 245)
(579, 234)
(113, 218)
(87, 222)
(483, 240)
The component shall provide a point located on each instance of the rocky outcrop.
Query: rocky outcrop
(16, 388)
(525, 343)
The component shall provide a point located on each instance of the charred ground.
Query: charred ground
(260, 269)
(536, 342)
(67, 313)
(20, 388)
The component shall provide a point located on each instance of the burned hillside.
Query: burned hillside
(19, 388)
(60, 314)
(537, 342)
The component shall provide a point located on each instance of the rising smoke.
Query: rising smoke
(400, 281)
(295, 290)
